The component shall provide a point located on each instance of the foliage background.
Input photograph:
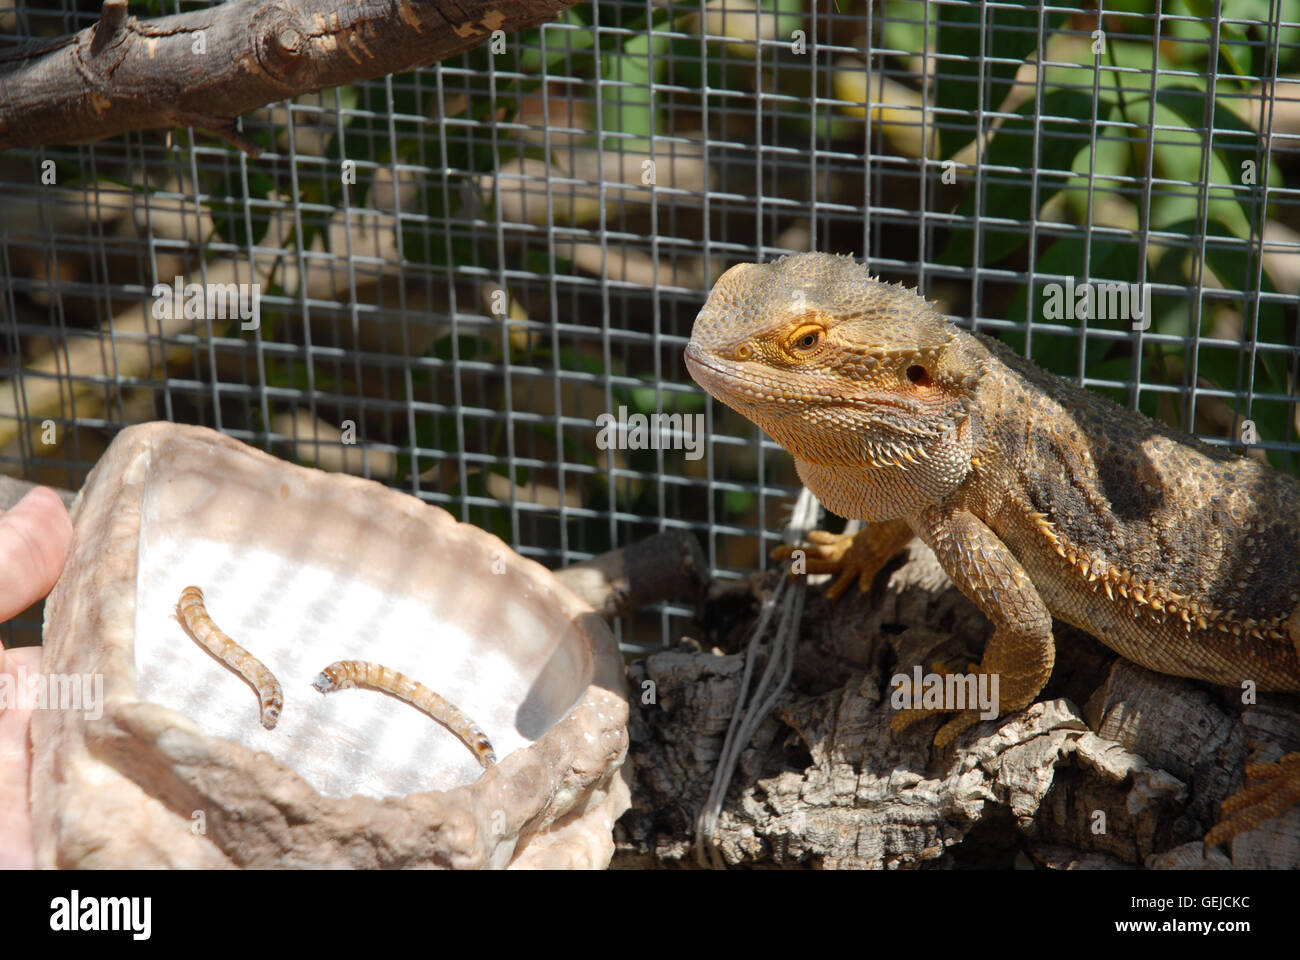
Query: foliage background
(501, 272)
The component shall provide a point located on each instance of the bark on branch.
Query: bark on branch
(1113, 767)
(666, 566)
(128, 74)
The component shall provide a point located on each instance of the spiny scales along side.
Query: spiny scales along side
(1039, 498)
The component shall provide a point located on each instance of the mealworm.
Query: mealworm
(359, 673)
(195, 617)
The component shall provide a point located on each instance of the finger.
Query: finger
(964, 720)
(35, 537)
(906, 717)
(846, 580)
(810, 554)
(815, 565)
(813, 554)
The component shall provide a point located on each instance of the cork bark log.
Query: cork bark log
(666, 566)
(1114, 766)
(207, 67)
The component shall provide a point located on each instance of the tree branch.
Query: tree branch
(206, 68)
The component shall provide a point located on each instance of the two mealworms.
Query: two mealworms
(337, 676)
(359, 673)
(200, 626)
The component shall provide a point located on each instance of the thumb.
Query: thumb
(35, 537)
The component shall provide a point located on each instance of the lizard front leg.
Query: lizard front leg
(1021, 651)
(855, 557)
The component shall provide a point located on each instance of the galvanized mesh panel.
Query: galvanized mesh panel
(530, 233)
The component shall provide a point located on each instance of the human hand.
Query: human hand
(35, 537)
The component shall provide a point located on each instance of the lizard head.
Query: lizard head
(841, 369)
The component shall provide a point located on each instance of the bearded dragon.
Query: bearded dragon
(1039, 499)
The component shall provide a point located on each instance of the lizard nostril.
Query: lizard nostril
(918, 375)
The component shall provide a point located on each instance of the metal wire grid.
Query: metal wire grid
(490, 413)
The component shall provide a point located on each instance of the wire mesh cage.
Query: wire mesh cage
(450, 275)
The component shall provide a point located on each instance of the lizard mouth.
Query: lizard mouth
(722, 383)
(710, 376)
(702, 371)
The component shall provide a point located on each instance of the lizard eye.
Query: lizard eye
(918, 375)
(807, 340)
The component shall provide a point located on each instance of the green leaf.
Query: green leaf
(1203, 10)
(971, 76)
(643, 401)
(569, 41)
(1112, 158)
(1126, 68)
(903, 25)
(1008, 195)
(628, 107)
(1179, 153)
(739, 502)
(1234, 266)
(1111, 260)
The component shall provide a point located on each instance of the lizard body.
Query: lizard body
(1039, 498)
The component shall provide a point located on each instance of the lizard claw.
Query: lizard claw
(855, 558)
(1276, 787)
(961, 721)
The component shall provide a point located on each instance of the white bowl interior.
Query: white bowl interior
(302, 578)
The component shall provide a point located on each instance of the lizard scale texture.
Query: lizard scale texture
(1038, 497)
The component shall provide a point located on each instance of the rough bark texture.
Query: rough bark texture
(1114, 766)
(129, 74)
